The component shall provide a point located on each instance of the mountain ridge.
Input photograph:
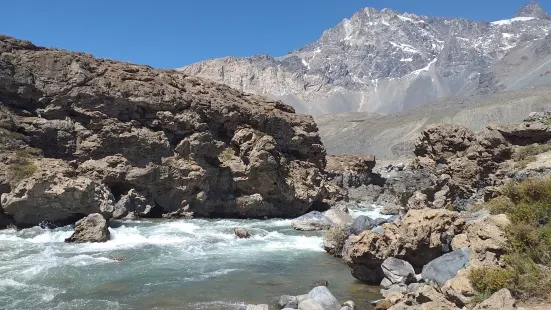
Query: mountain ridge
(386, 62)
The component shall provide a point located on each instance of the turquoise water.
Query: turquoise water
(183, 264)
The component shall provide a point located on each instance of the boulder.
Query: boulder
(310, 304)
(241, 233)
(486, 238)
(398, 271)
(360, 224)
(92, 228)
(286, 301)
(446, 266)
(418, 238)
(339, 216)
(501, 300)
(350, 304)
(314, 220)
(459, 289)
(324, 297)
(54, 195)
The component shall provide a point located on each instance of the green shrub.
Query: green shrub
(531, 150)
(22, 167)
(488, 280)
(528, 257)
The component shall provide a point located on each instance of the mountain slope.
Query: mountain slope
(390, 136)
(385, 61)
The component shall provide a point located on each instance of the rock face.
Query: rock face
(421, 236)
(386, 61)
(350, 170)
(92, 228)
(182, 143)
(533, 131)
(54, 194)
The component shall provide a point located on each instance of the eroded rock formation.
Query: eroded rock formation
(182, 143)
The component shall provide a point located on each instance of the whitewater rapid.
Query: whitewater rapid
(180, 264)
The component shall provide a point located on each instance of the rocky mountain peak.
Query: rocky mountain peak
(533, 9)
(387, 61)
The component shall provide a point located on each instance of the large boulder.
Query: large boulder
(314, 220)
(360, 224)
(446, 266)
(92, 228)
(486, 238)
(398, 271)
(420, 237)
(324, 297)
(54, 195)
(185, 144)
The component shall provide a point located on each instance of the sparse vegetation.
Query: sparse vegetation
(21, 168)
(337, 235)
(527, 154)
(528, 259)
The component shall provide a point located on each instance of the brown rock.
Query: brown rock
(53, 194)
(459, 289)
(417, 238)
(241, 233)
(186, 144)
(501, 300)
(92, 228)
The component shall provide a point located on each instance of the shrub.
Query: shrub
(528, 257)
(337, 237)
(527, 154)
(488, 280)
(21, 168)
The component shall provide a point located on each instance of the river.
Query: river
(170, 264)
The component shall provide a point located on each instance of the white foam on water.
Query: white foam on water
(370, 210)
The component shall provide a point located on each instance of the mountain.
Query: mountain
(386, 62)
(392, 136)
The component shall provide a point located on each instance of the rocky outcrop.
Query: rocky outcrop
(92, 228)
(463, 160)
(533, 130)
(180, 142)
(485, 236)
(421, 236)
(349, 170)
(55, 194)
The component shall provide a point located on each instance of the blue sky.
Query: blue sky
(173, 33)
